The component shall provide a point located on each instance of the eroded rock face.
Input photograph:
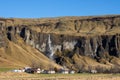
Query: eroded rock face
(93, 46)
(2, 36)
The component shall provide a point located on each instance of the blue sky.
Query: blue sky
(56, 8)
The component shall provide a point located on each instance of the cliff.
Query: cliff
(69, 41)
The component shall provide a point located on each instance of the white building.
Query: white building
(49, 72)
(72, 72)
(38, 70)
(93, 71)
(19, 70)
(64, 71)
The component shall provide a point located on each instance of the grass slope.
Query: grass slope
(21, 55)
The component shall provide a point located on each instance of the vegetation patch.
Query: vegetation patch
(2, 69)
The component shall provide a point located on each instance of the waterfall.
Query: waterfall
(90, 49)
(50, 50)
(95, 49)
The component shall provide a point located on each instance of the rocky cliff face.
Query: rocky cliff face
(63, 38)
(2, 36)
(96, 47)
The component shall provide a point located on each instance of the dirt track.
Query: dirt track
(24, 76)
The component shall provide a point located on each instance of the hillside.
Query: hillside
(75, 42)
(19, 54)
(22, 55)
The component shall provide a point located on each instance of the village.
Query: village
(42, 71)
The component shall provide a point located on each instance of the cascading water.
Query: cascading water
(95, 49)
(90, 49)
(50, 50)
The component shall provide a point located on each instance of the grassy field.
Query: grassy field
(84, 76)
(2, 69)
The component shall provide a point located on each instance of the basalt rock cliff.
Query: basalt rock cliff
(74, 42)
